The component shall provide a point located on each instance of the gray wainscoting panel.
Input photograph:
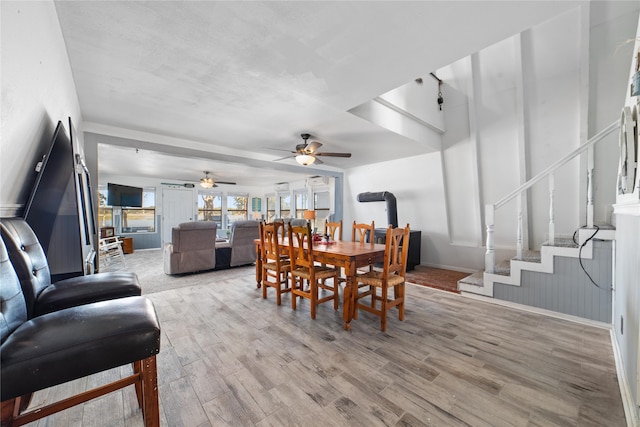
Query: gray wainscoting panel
(146, 240)
(568, 290)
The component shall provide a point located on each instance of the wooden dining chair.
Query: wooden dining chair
(275, 263)
(307, 278)
(333, 230)
(363, 232)
(392, 276)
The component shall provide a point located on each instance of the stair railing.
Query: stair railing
(490, 209)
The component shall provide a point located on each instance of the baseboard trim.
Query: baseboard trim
(536, 310)
(625, 391)
(449, 267)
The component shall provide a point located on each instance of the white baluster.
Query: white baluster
(590, 167)
(490, 255)
(519, 230)
(590, 198)
(552, 224)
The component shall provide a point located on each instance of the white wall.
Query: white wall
(626, 316)
(37, 91)
(510, 111)
(418, 187)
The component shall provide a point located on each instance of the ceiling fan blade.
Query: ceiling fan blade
(313, 146)
(224, 182)
(280, 149)
(283, 158)
(334, 154)
(317, 161)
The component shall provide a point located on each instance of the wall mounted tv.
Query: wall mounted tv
(124, 195)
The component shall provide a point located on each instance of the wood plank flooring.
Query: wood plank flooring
(231, 358)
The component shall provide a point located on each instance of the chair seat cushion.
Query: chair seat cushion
(284, 265)
(76, 342)
(374, 278)
(321, 272)
(86, 289)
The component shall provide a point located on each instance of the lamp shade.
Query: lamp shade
(309, 214)
(305, 159)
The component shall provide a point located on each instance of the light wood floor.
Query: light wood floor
(230, 358)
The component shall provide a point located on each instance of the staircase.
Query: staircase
(500, 278)
(509, 272)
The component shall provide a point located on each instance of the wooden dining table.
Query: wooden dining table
(348, 255)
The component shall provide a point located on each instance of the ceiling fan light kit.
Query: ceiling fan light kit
(206, 182)
(306, 153)
(305, 159)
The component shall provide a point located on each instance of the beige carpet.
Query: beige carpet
(148, 265)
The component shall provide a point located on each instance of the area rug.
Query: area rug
(438, 278)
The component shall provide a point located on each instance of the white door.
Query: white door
(177, 207)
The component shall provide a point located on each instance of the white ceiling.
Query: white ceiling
(248, 77)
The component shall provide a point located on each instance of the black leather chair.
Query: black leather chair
(71, 343)
(42, 296)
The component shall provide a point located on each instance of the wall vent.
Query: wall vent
(282, 186)
(318, 180)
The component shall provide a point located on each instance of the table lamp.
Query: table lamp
(310, 215)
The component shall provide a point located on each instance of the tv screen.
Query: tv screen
(124, 195)
(53, 193)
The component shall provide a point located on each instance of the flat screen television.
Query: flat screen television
(53, 193)
(124, 195)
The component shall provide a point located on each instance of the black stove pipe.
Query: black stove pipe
(383, 196)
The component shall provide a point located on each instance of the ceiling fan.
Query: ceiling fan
(306, 153)
(207, 182)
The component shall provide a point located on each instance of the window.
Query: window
(210, 207)
(136, 220)
(271, 208)
(285, 206)
(321, 205)
(301, 204)
(105, 213)
(236, 208)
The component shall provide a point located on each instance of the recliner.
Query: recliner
(192, 248)
(42, 296)
(241, 243)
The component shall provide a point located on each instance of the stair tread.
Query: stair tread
(529, 256)
(476, 279)
(562, 242)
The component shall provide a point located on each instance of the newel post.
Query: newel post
(490, 255)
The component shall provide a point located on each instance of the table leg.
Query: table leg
(349, 295)
(258, 267)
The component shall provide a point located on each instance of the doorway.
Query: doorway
(177, 207)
